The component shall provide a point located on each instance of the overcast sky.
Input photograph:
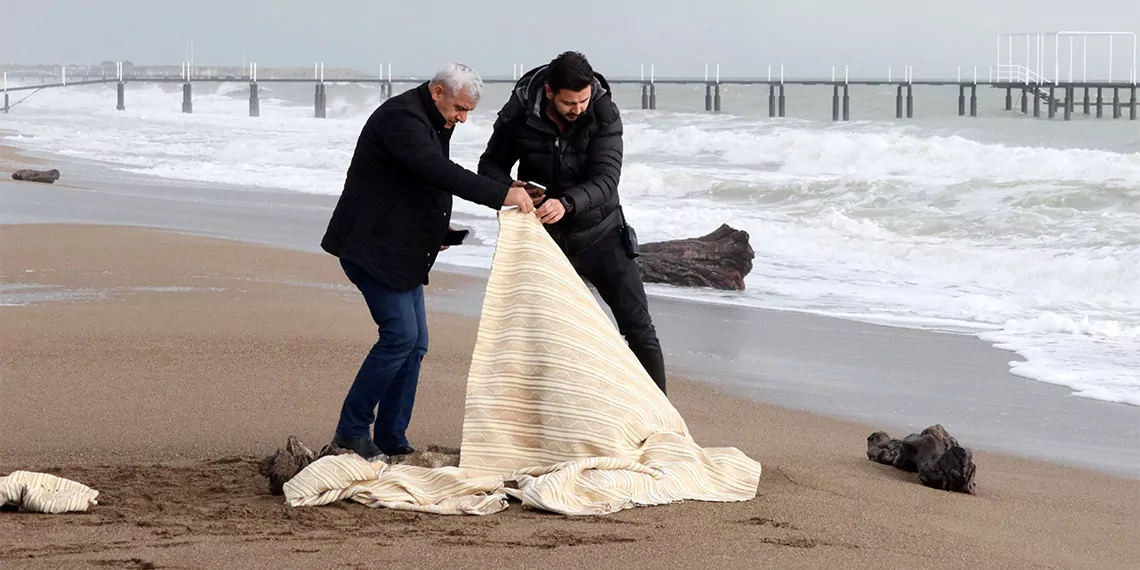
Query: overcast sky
(744, 36)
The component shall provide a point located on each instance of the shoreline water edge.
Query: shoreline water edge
(900, 378)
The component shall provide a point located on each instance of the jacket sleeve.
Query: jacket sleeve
(501, 153)
(406, 137)
(603, 167)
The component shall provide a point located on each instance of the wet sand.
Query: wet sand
(185, 359)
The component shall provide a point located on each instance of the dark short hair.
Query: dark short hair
(570, 70)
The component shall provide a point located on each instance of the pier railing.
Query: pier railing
(1006, 73)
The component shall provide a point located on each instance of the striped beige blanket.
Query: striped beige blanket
(557, 406)
(45, 493)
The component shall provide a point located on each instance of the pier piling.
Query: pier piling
(121, 96)
(1052, 102)
(909, 101)
(974, 100)
(319, 102)
(1116, 103)
(846, 104)
(771, 100)
(1086, 100)
(716, 98)
(1099, 103)
(254, 100)
(708, 97)
(6, 107)
(898, 102)
(1069, 94)
(835, 102)
(1132, 104)
(653, 96)
(187, 98)
(781, 100)
(1036, 102)
(1008, 99)
(1024, 100)
(961, 100)
(644, 96)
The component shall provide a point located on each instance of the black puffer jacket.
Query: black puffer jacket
(393, 213)
(583, 163)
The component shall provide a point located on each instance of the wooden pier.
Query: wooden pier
(1117, 96)
(1029, 83)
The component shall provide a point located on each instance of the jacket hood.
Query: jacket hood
(529, 90)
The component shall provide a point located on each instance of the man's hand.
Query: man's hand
(551, 211)
(537, 195)
(518, 197)
(443, 247)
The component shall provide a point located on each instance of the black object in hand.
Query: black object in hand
(455, 237)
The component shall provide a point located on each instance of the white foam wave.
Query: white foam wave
(865, 152)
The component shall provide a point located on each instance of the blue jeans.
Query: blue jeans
(385, 387)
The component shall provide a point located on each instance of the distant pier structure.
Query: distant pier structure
(1038, 77)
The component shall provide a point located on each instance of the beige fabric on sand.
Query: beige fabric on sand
(443, 490)
(45, 493)
(556, 403)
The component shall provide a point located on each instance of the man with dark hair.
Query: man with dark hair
(563, 129)
(387, 228)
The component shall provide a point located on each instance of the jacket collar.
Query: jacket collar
(433, 114)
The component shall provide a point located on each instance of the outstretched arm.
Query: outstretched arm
(406, 136)
(501, 153)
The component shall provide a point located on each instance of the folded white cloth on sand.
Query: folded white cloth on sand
(557, 404)
(45, 493)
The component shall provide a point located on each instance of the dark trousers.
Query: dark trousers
(617, 279)
(385, 387)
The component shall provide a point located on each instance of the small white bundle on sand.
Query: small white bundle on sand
(45, 493)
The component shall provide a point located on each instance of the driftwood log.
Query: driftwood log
(719, 260)
(284, 464)
(934, 454)
(29, 175)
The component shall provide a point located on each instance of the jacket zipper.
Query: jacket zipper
(558, 165)
(562, 240)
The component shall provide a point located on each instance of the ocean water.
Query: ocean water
(1023, 232)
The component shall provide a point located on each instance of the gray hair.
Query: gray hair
(457, 77)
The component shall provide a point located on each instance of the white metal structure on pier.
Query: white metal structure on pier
(1036, 68)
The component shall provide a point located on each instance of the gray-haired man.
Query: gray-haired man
(387, 228)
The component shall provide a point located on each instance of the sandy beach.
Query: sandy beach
(178, 361)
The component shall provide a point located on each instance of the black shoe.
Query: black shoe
(361, 445)
(402, 450)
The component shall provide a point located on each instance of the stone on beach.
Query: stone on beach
(719, 260)
(934, 454)
(283, 464)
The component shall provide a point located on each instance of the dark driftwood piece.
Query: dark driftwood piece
(719, 260)
(934, 454)
(29, 175)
